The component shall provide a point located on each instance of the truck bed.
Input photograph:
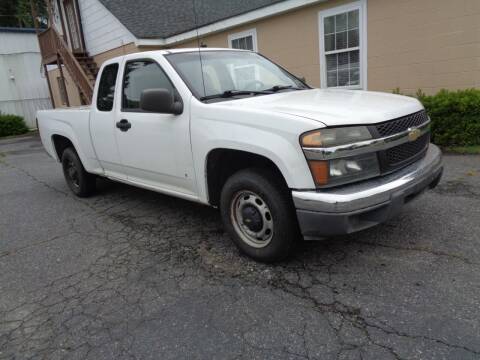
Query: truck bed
(72, 124)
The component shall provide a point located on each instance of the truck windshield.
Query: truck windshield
(227, 74)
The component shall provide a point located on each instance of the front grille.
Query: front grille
(401, 124)
(406, 152)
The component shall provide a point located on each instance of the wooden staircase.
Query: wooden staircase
(88, 65)
(81, 67)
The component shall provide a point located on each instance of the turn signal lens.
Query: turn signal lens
(335, 136)
(319, 171)
(312, 139)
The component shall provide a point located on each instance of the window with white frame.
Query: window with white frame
(245, 40)
(341, 52)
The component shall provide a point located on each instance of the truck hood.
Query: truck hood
(334, 107)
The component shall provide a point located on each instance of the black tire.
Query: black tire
(242, 223)
(78, 180)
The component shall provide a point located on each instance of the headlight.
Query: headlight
(343, 170)
(335, 136)
(356, 168)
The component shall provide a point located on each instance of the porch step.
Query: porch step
(89, 66)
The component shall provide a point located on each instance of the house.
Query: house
(358, 44)
(23, 86)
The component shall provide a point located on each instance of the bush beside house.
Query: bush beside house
(12, 125)
(455, 117)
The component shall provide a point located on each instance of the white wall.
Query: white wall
(102, 30)
(23, 87)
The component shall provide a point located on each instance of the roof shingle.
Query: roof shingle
(165, 18)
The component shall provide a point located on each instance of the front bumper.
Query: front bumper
(359, 206)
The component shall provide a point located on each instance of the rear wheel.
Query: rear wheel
(78, 180)
(258, 214)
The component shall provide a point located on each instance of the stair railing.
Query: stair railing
(51, 46)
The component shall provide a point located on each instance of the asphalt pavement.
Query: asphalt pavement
(132, 274)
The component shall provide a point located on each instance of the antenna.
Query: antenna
(198, 44)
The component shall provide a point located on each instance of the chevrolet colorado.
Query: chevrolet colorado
(233, 130)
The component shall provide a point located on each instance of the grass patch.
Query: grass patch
(464, 150)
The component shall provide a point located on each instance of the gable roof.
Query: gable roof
(164, 18)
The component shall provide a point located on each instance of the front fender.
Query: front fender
(279, 146)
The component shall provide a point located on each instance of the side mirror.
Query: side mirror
(160, 101)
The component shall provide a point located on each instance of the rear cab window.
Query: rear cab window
(106, 88)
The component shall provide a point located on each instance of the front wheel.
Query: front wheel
(258, 214)
(78, 180)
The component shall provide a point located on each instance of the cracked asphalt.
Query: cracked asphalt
(131, 274)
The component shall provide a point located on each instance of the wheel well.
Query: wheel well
(222, 163)
(61, 143)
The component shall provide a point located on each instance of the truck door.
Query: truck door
(154, 147)
(102, 123)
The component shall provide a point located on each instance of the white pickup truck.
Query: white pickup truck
(233, 130)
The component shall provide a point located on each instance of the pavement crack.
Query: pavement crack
(422, 249)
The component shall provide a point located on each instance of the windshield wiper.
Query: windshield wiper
(283, 87)
(231, 93)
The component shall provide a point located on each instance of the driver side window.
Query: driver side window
(141, 75)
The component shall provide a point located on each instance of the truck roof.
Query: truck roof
(175, 51)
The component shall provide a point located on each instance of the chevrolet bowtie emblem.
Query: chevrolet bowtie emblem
(413, 134)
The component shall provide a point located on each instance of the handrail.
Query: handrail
(51, 46)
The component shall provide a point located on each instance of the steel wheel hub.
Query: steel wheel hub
(252, 219)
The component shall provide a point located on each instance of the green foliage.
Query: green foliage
(420, 94)
(8, 13)
(12, 125)
(396, 91)
(24, 14)
(17, 13)
(455, 116)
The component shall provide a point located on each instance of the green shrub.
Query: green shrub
(12, 125)
(455, 116)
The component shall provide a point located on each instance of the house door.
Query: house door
(73, 26)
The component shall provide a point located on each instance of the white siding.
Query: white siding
(102, 30)
(18, 42)
(23, 87)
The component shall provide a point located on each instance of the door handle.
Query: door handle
(124, 125)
